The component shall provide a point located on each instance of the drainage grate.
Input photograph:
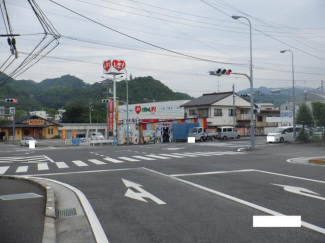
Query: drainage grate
(64, 213)
(20, 196)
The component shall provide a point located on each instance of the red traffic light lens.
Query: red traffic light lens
(14, 100)
(228, 72)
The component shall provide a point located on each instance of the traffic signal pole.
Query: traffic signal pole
(252, 109)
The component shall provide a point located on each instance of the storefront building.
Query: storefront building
(29, 126)
(152, 122)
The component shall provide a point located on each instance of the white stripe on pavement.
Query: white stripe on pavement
(21, 169)
(3, 169)
(129, 159)
(42, 166)
(79, 163)
(185, 154)
(61, 165)
(97, 162)
(173, 156)
(156, 156)
(142, 157)
(113, 160)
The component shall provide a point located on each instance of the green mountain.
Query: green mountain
(68, 91)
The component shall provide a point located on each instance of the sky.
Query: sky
(175, 41)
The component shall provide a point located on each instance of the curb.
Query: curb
(318, 161)
(49, 234)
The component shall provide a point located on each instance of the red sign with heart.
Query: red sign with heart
(118, 65)
(137, 109)
(107, 65)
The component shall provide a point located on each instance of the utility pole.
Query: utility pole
(233, 107)
(13, 113)
(322, 85)
(90, 108)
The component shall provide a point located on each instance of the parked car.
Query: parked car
(97, 136)
(282, 134)
(227, 132)
(25, 141)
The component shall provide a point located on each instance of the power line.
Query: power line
(139, 40)
(266, 33)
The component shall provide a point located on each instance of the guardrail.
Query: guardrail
(87, 141)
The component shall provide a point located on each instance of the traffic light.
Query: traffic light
(11, 100)
(220, 72)
(257, 109)
(244, 95)
(105, 101)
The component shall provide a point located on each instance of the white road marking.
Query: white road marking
(276, 221)
(113, 160)
(61, 165)
(128, 159)
(141, 194)
(97, 162)
(249, 204)
(79, 163)
(43, 166)
(171, 155)
(52, 161)
(185, 154)
(21, 169)
(142, 157)
(300, 191)
(156, 156)
(97, 229)
(212, 173)
(3, 169)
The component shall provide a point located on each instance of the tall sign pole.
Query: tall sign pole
(233, 107)
(114, 67)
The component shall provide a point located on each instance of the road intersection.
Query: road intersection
(188, 193)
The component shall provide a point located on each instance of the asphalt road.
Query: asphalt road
(21, 220)
(204, 192)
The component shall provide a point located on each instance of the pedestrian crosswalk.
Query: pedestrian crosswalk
(102, 160)
(26, 159)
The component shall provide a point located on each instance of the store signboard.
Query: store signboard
(36, 122)
(113, 66)
(286, 113)
(74, 134)
(110, 115)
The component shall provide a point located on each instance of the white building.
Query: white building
(42, 114)
(218, 109)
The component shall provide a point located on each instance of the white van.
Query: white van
(227, 132)
(282, 135)
(97, 136)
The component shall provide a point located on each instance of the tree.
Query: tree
(304, 116)
(318, 109)
(75, 113)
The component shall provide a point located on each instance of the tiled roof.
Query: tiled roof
(207, 99)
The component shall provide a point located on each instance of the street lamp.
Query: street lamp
(293, 97)
(251, 81)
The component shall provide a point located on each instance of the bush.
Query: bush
(56, 136)
(303, 137)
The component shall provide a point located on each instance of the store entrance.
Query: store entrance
(165, 134)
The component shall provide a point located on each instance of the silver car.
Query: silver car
(25, 141)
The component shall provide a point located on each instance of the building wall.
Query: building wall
(50, 132)
(154, 110)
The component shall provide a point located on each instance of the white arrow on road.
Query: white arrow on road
(141, 194)
(300, 191)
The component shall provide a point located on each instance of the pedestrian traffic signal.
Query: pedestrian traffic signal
(220, 72)
(244, 95)
(106, 101)
(257, 109)
(11, 100)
